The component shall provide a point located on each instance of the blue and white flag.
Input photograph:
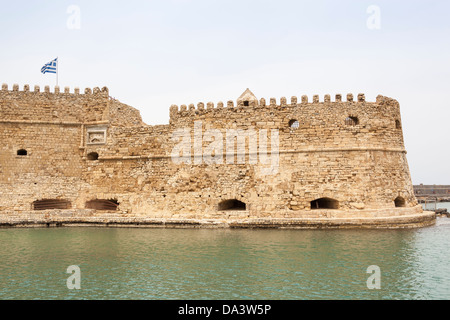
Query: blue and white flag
(50, 67)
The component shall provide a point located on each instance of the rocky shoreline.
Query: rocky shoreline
(441, 212)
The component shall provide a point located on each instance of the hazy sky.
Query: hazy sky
(152, 54)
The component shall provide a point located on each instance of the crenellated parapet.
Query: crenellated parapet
(283, 102)
(249, 101)
(56, 104)
(55, 90)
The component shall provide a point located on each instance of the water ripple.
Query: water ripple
(224, 264)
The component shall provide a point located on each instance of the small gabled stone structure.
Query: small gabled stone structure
(247, 99)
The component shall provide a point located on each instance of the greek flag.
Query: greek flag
(50, 67)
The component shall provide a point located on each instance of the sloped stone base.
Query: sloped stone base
(72, 218)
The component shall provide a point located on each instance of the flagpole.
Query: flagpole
(57, 70)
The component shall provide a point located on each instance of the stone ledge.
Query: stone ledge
(423, 219)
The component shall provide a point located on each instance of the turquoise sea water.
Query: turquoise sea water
(129, 263)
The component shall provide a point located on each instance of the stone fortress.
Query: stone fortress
(86, 158)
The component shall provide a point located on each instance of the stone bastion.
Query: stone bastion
(71, 158)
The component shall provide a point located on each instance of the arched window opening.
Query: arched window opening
(324, 203)
(49, 204)
(351, 121)
(92, 156)
(232, 205)
(294, 124)
(398, 125)
(400, 202)
(102, 204)
(22, 152)
(246, 103)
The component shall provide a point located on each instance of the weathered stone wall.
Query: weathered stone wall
(88, 146)
(51, 128)
(51, 169)
(362, 166)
